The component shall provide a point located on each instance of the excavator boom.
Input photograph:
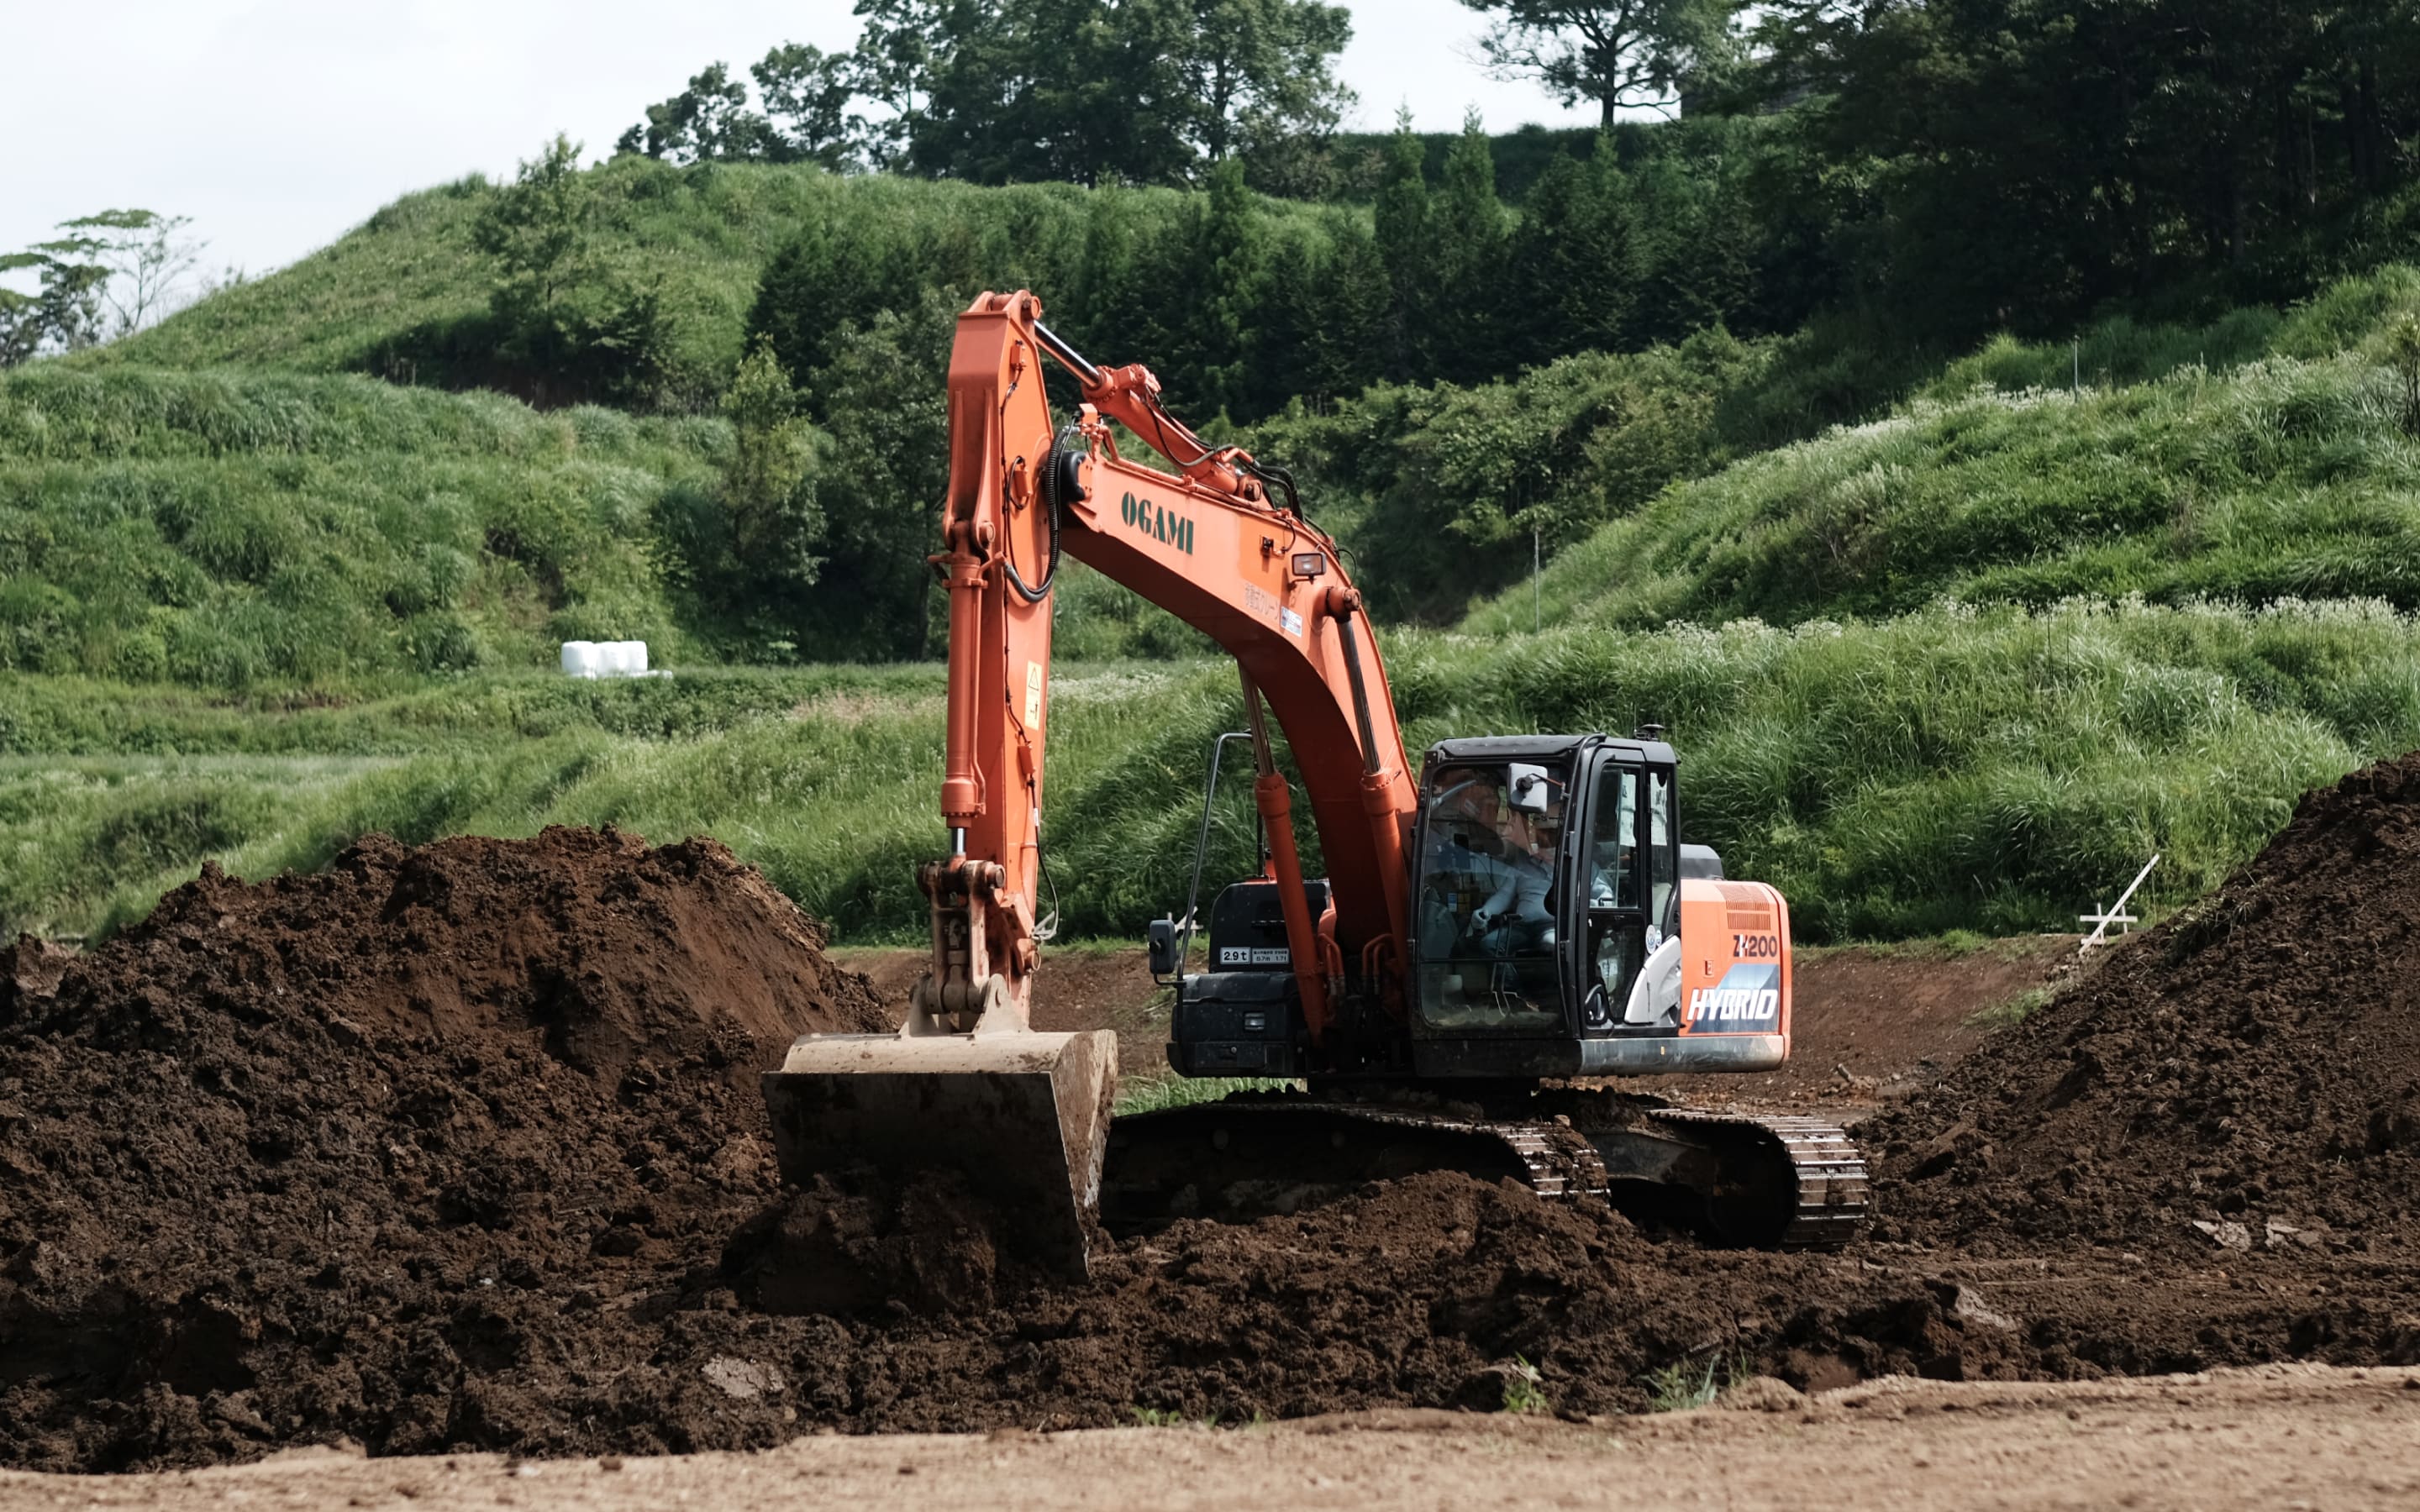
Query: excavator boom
(968, 1082)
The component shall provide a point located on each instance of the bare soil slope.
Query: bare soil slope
(339, 1152)
(2251, 1066)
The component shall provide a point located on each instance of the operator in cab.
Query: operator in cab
(1515, 919)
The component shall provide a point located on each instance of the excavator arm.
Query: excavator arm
(969, 1083)
(1206, 542)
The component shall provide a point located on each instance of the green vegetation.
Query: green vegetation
(2260, 458)
(234, 529)
(298, 552)
(2014, 1011)
(1523, 1390)
(1948, 645)
(1156, 1094)
(1952, 768)
(1680, 1387)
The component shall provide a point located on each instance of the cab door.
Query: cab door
(1622, 894)
(1607, 895)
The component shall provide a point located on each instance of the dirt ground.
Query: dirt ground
(1870, 1025)
(447, 1154)
(2275, 1436)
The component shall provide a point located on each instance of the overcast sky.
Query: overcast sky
(279, 124)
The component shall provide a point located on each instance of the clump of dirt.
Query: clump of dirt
(2245, 1076)
(332, 1154)
(1438, 1289)
(859, 1239)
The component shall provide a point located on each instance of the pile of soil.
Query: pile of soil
(462, 1147)
(459, 1147)
(324, 1154)
(2244, 1077)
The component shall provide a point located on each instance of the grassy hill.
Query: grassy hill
(405, 294)
(2268, 457)
(231, 529)
(1961, 667)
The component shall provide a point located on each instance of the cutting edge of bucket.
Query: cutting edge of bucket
(1025, 1115)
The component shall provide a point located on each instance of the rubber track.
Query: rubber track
(1832, 1185)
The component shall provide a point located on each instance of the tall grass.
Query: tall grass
(2288, 475)
(236, 530)
(1957, 767)
(1992, 769)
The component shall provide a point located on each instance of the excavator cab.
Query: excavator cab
(1549, 894)
(1547, 879)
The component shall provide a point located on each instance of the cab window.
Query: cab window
(1662, 851)
(1615, 948)
(1613, 846)
(1487, 898)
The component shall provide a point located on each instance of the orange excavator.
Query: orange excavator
(1497, 931)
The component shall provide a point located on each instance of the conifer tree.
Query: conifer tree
(1402, 217)
(1468, 241)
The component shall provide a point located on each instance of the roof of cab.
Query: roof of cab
(1546, 749)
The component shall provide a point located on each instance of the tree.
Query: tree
(1621, 54)
(1349, 343)
(144, 257)
(1400, 217)
(1215, 302)
(995, 91)
(112, 274)
(538, 229)
(1260, 71)
(709, 120)
(1468, 229)
(901, 47)
(1572, 268)
(563, 311)
(806, 95)
(807, 92)
(776, 524)
(885, 394)
(2021, 164)
(63, 314)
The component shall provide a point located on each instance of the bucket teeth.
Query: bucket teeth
(1025, 1116)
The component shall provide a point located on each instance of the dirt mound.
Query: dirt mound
(293, 1159)
(460, 1148)
(2245, 1076)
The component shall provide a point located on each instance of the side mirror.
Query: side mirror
(1528, 786)
(1163, 947)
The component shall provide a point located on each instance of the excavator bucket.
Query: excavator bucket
(1025, 1115)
